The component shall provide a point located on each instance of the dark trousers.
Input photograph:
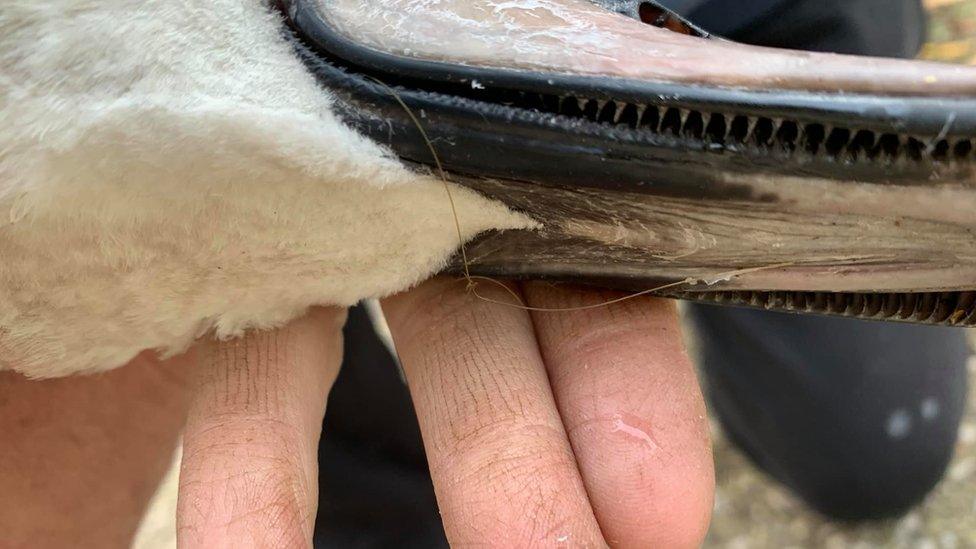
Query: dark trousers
(886, 28)
(858, 418)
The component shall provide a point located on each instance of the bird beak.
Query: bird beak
(654, 154)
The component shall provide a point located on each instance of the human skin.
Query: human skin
(541, 428)
(80, 457)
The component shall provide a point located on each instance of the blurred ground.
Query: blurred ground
(752, 512)
(952, 31)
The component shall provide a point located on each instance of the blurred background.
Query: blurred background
(751, 511)
(952, 31)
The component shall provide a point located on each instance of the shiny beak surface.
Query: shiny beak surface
(652, 153)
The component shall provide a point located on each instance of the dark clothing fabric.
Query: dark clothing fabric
(723, 17)
(887, 28)
(858, 418)
(374, 487)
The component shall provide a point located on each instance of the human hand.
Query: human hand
(573, 428)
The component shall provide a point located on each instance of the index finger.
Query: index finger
(249, 470)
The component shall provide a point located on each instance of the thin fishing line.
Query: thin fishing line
(441, 172)
(471, 280)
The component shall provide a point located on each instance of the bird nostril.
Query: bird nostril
(651, 14)
(659, 17)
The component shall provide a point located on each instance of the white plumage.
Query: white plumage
(168, 169)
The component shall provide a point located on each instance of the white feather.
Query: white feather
(169, 169)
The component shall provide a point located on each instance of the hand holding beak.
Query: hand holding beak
(572, 428)
(579, 428)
